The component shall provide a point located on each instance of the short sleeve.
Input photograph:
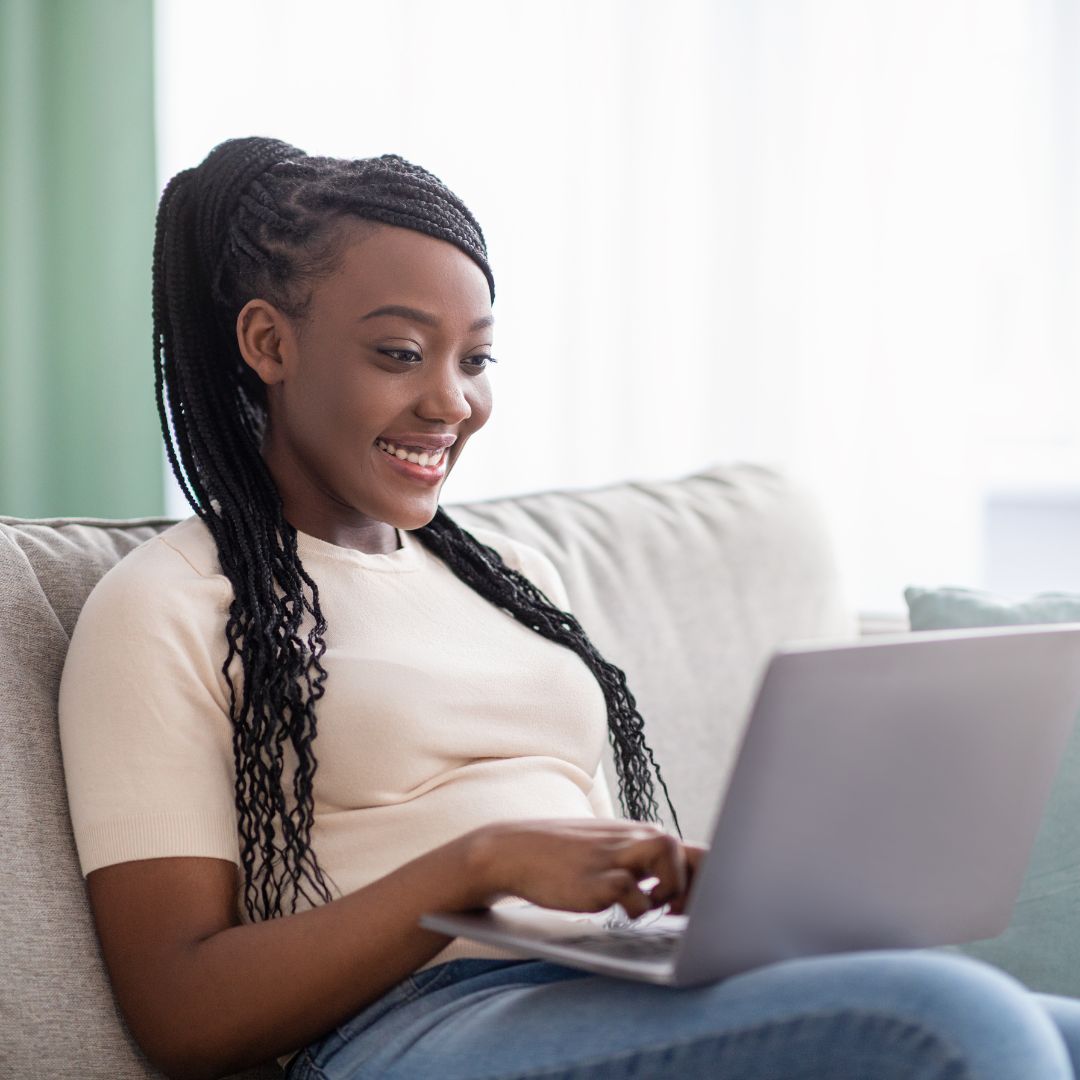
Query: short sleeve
(145, 732)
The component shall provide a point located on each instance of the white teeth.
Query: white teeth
(417, 457)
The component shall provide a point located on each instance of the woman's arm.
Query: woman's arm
(205, 995)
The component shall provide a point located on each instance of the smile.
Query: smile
(417, 464)
(416, 454)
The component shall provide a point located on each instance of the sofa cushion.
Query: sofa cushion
(59, 1015)
(1041, 945)
(686, 584)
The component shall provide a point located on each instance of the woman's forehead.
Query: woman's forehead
(404, 268)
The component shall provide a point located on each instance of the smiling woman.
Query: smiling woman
(322, 330)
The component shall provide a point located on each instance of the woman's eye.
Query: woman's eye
(401, 355)
(410, 356)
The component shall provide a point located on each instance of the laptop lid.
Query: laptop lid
(887, 793)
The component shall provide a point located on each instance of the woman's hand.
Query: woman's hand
(584, 864)
(694, 854)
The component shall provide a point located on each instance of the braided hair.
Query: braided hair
(260, 218)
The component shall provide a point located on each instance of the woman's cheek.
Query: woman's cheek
(481, 403)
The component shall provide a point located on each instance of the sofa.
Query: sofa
(687, 584)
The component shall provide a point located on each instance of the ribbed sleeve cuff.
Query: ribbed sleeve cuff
(154, 836)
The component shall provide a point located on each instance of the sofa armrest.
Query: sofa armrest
(884, 622)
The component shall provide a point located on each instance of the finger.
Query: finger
(660, 855)
(623, 889)
(694, 854)
(670, 868)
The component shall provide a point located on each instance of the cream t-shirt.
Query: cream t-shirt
(441, 712)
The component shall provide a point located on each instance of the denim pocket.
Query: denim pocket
(431, 978)
(414, 986)
(454, 971)
(398, 994)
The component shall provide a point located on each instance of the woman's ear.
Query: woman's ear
(266, 340)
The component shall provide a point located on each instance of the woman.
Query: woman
(400, 716)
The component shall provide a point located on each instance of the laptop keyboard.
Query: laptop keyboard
(630, 944)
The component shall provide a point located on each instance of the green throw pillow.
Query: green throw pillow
(1041, 945)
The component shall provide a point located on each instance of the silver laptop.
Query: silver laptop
(886, 794)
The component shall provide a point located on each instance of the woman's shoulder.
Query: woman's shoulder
(515, 553)
(155, 620)
(528, 560)
(169, 573)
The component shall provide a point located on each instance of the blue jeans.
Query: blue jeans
(875, 1015)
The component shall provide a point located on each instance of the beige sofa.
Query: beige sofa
(687, 584)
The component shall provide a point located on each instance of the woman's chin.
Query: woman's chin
(415, 517)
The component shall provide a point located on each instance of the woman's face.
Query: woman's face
(391, 349)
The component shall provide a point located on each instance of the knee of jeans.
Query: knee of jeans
(965, 969)
(945, 986)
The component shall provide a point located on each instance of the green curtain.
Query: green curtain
(79, 432)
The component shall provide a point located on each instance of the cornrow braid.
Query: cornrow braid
(260, 218)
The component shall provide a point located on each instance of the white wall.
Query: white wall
(838, 237)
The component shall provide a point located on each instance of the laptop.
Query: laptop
(887, 793)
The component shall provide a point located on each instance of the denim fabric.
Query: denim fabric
(876, 1015)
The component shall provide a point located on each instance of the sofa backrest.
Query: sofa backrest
(687, 585)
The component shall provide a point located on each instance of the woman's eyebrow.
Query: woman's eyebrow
(422, 317)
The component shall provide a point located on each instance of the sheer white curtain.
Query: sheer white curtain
(838, 237)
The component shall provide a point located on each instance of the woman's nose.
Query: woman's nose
(444, 398)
